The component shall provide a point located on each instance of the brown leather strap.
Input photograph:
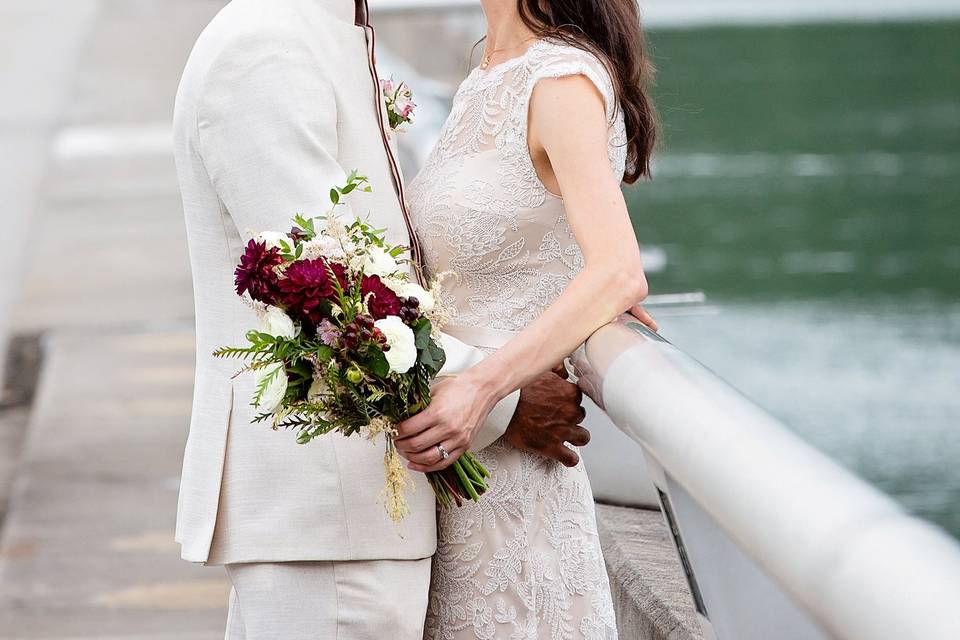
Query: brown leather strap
(362, 13)
(371, 37)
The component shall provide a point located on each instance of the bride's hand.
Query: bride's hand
(641, 314)
(458, 409)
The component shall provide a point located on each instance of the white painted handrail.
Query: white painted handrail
(845, 554)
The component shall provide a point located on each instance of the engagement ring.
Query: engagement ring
(443, 452)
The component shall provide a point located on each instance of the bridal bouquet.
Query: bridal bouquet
(347, 342)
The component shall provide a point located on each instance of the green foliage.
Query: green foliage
(421, 333)
(244, 353)
(429, 353)
(376, 363)
(290, 251)
(306, 226)
(264, 384)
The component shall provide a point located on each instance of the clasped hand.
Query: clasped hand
(459, 407)
(548, 417)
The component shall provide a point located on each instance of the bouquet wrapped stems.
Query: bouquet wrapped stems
(465, 479)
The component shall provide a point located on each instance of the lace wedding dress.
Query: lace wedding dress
(525, 562)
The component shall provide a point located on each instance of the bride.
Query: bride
(521, 198)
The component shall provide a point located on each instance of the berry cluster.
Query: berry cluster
(361, 331)
(409, 310)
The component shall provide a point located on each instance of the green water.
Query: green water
(809, 183)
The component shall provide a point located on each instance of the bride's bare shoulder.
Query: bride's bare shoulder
(584, 73)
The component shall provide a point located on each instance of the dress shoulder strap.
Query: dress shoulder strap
(557, 60)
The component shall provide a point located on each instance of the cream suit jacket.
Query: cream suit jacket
(278, 102)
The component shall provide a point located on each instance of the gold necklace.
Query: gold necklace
(485, 63)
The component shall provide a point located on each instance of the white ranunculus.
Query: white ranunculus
(403, 349)
(276, 389)
(395, 284)
(277, 323)
(317, 389)
(413, 290)
(378, 262)
(274, 238)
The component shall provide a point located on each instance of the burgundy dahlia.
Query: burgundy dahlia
(256, 274)
(307, 284)
(383, 302)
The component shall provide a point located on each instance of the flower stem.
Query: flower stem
(465, 481)
(451, 488)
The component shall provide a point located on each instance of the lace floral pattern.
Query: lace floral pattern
(525, 562)
(479, 207)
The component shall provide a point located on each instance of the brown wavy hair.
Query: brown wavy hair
(610, 30)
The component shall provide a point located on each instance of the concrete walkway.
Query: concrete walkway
(87, 548)
(100, 271)
(33, 98)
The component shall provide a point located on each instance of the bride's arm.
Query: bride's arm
(460, 358)
(568, 130)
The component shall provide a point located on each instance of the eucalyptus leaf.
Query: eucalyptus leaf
(376, 363)
(421, 333)
(438, 356)
(428, 360)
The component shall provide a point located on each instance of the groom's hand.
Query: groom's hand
(548, 416)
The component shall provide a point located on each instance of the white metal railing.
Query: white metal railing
(779, 541)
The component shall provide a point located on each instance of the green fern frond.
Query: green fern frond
(264, 384)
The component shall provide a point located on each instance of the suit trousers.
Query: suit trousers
(340, 600)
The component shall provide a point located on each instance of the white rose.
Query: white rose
(274, 238)
(378, 262)
(403, 349)
(277, 388)
(413, 290)
(277, 323)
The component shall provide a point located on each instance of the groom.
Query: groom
(278, 101)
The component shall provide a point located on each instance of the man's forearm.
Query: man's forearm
(497, 422)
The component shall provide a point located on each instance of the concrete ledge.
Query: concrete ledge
(650, 592)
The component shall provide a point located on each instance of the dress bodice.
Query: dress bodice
(478, 206)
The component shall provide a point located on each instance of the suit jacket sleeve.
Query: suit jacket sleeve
(267, 125)
(460, 357)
